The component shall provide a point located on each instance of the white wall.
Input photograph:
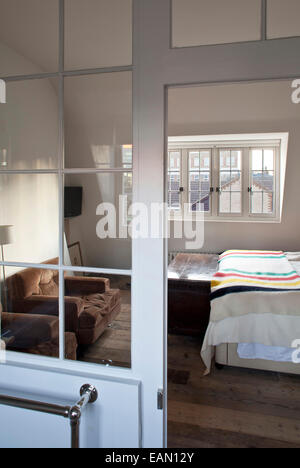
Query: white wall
(244, 108)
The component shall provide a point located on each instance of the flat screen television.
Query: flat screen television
(73, 202)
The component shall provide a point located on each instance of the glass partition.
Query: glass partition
(98, 35)
(30, 311)
(28, 37)
(283, 18)
(102, 303)
(29, 206)
(202, 22)
(97, 218)
(98, 121)
(66, 175)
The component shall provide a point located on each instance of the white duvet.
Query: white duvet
(277, 332)
(273, 353)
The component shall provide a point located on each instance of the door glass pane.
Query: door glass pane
(98, 121)
(30, 316)
(28, 37)
(97, 220)
(202, 22)
(283, 18)
(29, 205)
(98, 308)
(98, 34)
(29, 126)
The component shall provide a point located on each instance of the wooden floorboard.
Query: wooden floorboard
(231, 408)
(192, 436)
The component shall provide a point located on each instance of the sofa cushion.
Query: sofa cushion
(51, 348)
(109, 299)
(48, 284)
(92, 315)
(30, 330)
(33, 281)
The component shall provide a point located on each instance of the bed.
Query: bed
(255, 339)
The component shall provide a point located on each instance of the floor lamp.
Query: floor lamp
(6, 238)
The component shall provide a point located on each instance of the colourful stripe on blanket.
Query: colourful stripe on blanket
(248, 253)
(244, 271)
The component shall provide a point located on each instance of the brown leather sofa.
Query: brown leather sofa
(35, 334)
(90, 304)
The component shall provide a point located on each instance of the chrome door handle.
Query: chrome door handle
(88, 394)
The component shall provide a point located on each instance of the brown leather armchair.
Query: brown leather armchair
(90, 304)
(35, 334)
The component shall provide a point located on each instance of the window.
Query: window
(199, 180)
(237, 180)
(262, 180)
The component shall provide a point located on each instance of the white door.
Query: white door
(68, 124)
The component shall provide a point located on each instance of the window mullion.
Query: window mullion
(215, 181)
(277, 187)
(184, 178)
(246, 195)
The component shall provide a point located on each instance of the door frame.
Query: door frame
(161, 68)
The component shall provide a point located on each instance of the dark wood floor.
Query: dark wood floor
(231, 408)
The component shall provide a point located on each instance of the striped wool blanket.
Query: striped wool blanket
(255, 298)
(259, 273)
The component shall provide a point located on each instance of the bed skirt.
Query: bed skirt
(226, 354)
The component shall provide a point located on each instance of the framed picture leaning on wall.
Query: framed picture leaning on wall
(75, 254)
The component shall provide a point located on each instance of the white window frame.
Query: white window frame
(244, 143)
(173, 211)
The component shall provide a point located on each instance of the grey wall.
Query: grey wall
(244, 108)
